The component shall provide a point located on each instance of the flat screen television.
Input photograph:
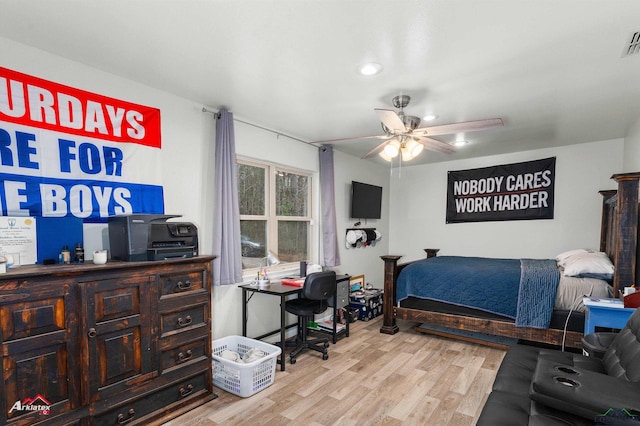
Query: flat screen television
(366, 201)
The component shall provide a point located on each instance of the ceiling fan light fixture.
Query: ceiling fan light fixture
(392, 148)
(415, 148)
(384, 156)
(406, 154)
(369, 69)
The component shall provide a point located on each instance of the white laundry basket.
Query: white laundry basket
(243, 379)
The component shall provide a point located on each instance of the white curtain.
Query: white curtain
(227, 267)
(330, 253)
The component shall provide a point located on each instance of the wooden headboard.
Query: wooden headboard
(619, 229)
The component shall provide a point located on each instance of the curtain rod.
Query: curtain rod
(216, 114)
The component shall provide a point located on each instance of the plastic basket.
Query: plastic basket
(243, 379)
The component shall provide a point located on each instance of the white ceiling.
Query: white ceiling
(551, 69)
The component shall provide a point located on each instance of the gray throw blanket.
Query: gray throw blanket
(537, 293)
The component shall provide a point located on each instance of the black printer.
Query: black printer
(139, 237)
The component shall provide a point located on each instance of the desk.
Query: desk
(604, 316)
(284, 292)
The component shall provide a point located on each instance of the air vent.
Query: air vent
(633, 47)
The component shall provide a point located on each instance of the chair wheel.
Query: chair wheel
(292, 360)
(325, 357)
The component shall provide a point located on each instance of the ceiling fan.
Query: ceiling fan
(402, 135)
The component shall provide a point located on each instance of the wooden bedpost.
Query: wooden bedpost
(606, 231)
(627, 231)
(389, 297)
(431, 252)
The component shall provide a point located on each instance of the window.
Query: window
(275, 214)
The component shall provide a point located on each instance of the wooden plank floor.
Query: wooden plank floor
(369, 379)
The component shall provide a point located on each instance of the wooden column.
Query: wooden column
(606, 232)
(431, 252)
(627, 231)
(389, 298)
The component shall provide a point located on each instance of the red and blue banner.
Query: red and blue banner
(66, 152)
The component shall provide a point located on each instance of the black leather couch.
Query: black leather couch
(536, 386)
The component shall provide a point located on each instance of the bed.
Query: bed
(618, 239)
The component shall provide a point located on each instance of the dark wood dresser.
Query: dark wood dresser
(121, 343)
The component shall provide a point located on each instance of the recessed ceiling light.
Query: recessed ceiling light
(370, 68)
(430, 117)
(460, 143)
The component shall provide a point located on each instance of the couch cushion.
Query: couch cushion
(509, 402)
(582, 392)
(516, 370)
(509, 409)
(544, 416)
(519, 364)
(622, 359)
(589, 363)
(505, 408)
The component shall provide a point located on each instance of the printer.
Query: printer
(140, 237)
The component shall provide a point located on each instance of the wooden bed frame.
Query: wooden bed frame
(618, 238)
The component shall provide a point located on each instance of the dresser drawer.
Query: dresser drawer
(181, 283)
(139, 412)
(189, 352)
(185, 319)
(342, 294)
(35, 308)
(32, 318)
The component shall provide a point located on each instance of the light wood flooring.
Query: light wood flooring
(369, 379)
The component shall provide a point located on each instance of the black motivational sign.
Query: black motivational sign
(516, 191)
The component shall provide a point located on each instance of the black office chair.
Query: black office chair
(318, 288)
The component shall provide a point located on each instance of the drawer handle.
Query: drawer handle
(183, 285)
(92, 333)
(184, 392)
(131, 414)
(183, 322)
(182, 357)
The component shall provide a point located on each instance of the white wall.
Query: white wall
(632, 149)
(365, 260)
(419, 194)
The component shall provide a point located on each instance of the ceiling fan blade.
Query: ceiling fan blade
(350, 139)
(465, 126)
(390, 119)
(435, 145)
(376, 150)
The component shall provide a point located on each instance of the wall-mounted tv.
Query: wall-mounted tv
(366, 201)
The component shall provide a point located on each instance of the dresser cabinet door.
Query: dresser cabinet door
(116, 335)
(38, 337)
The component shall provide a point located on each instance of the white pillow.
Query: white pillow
(588, 264)
(563, 257)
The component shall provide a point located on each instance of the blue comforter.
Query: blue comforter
(521, 289)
